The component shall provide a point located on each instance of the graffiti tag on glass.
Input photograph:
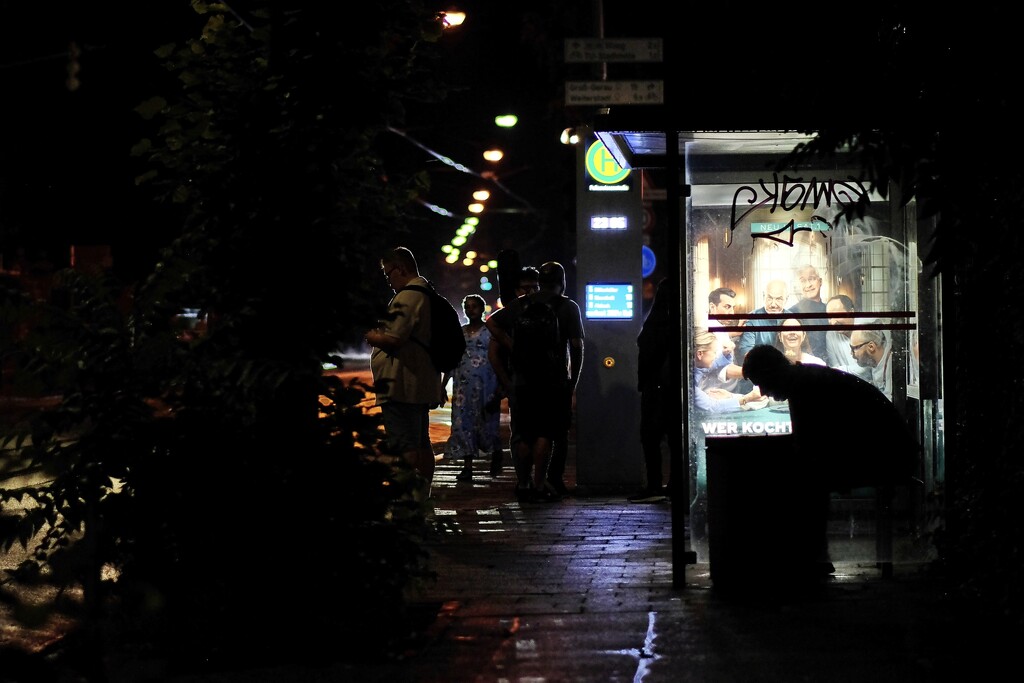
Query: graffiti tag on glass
(794, 194)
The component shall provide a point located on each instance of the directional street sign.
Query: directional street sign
(598, 93)
(583, 50)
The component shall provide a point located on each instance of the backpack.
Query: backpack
(447, 343)
(538, 350)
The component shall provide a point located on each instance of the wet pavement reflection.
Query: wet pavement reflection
(581, 590)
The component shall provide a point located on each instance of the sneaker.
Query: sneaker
(544, 495)
(647, 496)
(559, 487)
(465, 475)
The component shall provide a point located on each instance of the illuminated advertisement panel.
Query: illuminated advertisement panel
(823, 288)
(782, 260)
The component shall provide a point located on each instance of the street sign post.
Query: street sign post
(600, 93)
(584, 50)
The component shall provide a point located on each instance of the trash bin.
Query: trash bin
(764, 514)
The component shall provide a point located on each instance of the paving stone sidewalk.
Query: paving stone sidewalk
(581, 590)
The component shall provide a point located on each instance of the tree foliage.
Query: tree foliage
(199, 485)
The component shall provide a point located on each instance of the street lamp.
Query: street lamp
(569, 136)
(450, 18)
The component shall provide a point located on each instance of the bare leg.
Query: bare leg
(423, 461)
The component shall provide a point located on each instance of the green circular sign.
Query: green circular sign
(602, 167)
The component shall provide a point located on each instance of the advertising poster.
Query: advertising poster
(778, 264)
(776, 260)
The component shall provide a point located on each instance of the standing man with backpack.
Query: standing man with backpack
(405, 381)
(545, 330)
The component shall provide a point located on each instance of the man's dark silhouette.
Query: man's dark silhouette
(875, 448)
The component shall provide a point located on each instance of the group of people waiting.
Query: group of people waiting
(540, 404)
(407, 386)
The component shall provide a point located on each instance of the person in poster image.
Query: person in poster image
(809, 283)
(837, 342)
(794, 344)
(872, 349)
(775, 293)
(722, 301)
(708, 394)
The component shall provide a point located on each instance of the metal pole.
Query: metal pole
(678, 473)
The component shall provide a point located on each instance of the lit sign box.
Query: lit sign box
(609, 301)
(608, 223)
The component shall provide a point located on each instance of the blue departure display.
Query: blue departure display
(609, 301)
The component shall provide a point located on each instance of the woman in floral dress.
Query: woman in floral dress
(476, 397)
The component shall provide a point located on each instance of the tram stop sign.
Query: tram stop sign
(602, 167)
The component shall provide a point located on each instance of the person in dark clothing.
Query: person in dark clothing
(499, 355)
(655, 383)
(543, 404)
(879, 451)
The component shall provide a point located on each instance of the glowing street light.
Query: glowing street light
(451, 18)
(494, 155)
(569, 136)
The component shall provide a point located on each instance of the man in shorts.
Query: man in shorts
(543, 410)
(406, 383)
(499, 353)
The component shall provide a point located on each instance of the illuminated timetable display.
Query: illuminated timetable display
(608, 223)
(609, 301)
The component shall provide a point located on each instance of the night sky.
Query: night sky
(66, 175)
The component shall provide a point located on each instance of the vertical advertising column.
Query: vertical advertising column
(608, 246)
